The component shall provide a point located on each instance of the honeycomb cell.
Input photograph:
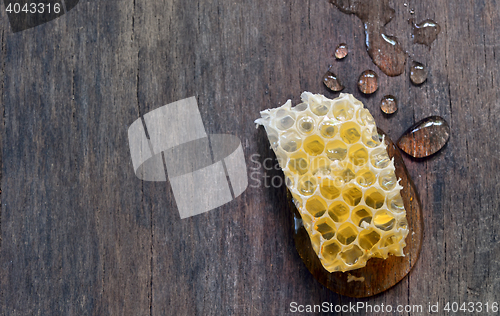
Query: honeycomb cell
(299, 163)
(336, 150)
(339, 211)
(343, 172)
(273, 137)
(328, 129)
(320, 166)
(358, 155)
(343, 110)
(329, 189)
(387, 179)
(307, 185)
(314, 145)
(290, 141)
(391, 239)
(352, 255)
(305, 125)
(365, 177)
(330, 250)
(368, 239)
(347, 174)
(395, 202)
(364, 117)
(384, 220)
(281, 113)
(326, 227)
(352, 195)
(379, 158)
(350, 132)
(301, 107)
(347, 234)
(285, 122)
(316, 206)
(320, 109)
(370, 138)
(403, 223)
(361, 216)
(374, 198)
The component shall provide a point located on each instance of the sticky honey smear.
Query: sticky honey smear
(340, 177)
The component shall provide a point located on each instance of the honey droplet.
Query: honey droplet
(384, 50)
(368, 82)
(425, 32)
(341, 51)
(332, 82)
(418, 73)
(389, 104)
(425, 137)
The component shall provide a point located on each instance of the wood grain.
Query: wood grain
(81, 235)
(378, 275)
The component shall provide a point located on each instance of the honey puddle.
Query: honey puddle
(425, 32)
(384, 49)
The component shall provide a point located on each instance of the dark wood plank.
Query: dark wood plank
(81, 235)
(76, 236)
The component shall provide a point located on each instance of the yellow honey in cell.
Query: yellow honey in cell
(352, 255)
(347, 233)
(374, 198)
(368, 239)
(326, 227)
(341, 179)
(329, 189)
(316, 206)
(314, 145)
(338, 211)
(358, 155)
(336, 150)
(361, 216)
(352, 195)
(350, 132)
(365, 177)
(299, 163)
(384, 220)
(331, 250)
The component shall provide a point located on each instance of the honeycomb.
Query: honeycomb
(341, 179)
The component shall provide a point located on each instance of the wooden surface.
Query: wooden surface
(81, 235)
(378, 275)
